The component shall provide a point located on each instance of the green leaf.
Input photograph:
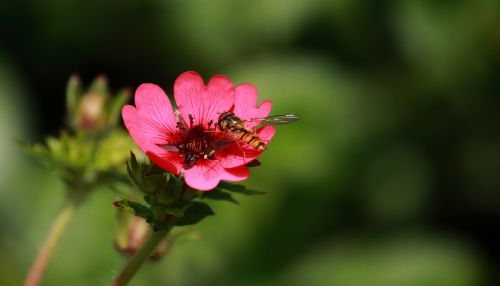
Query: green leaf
(194, 213)
(174, 208)
(239, 189)
(139, 209)
(177, 212)
(155, 170)
(37, 151)
(219, 195)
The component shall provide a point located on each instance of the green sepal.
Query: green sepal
(159, 226)
(74, 93)
(134, 171)
(100, 85)
(219, 195)
(171, 208)
(194, 213)
(112, 151)
(37, 151)
(68, 155)
(239, 189)
(140, 210)
(143, 179)
(154, 170)
(173, 189)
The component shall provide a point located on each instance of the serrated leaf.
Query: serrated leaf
(240, 189)
(194, 213)
(219, 195)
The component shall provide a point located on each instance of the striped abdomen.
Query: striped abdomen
(251, 138)
(234, 125)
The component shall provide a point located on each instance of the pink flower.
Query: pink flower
(189, 141)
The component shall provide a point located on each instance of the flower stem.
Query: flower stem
(142, 255)
(57, 230)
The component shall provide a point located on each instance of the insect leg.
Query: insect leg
(241, 149)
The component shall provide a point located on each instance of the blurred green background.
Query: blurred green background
(392, 177)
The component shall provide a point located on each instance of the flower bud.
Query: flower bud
(94, 111)
(91, 117)
(131, 233)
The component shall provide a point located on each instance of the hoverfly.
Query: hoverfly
(195, 142)
(238, 128)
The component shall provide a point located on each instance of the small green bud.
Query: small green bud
(95, 111)
(92, 152)
(91, 117)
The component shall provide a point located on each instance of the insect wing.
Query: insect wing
(218, 145)
(276, 119)
(169, 147)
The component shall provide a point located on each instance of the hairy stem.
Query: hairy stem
(142, 255)
(57, 230)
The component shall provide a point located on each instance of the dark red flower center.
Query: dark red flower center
(195, 142)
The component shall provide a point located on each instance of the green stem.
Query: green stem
(142, 255)
(57, 230)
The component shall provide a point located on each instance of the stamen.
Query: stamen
(195, 142)
(191, 120)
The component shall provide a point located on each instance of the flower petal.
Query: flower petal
(207, 174)
(147, 134)
(239, 153)
(204, 104)
(236, 174)
(168, 161)
(266, 133)
(245, 104)
(153, 103)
